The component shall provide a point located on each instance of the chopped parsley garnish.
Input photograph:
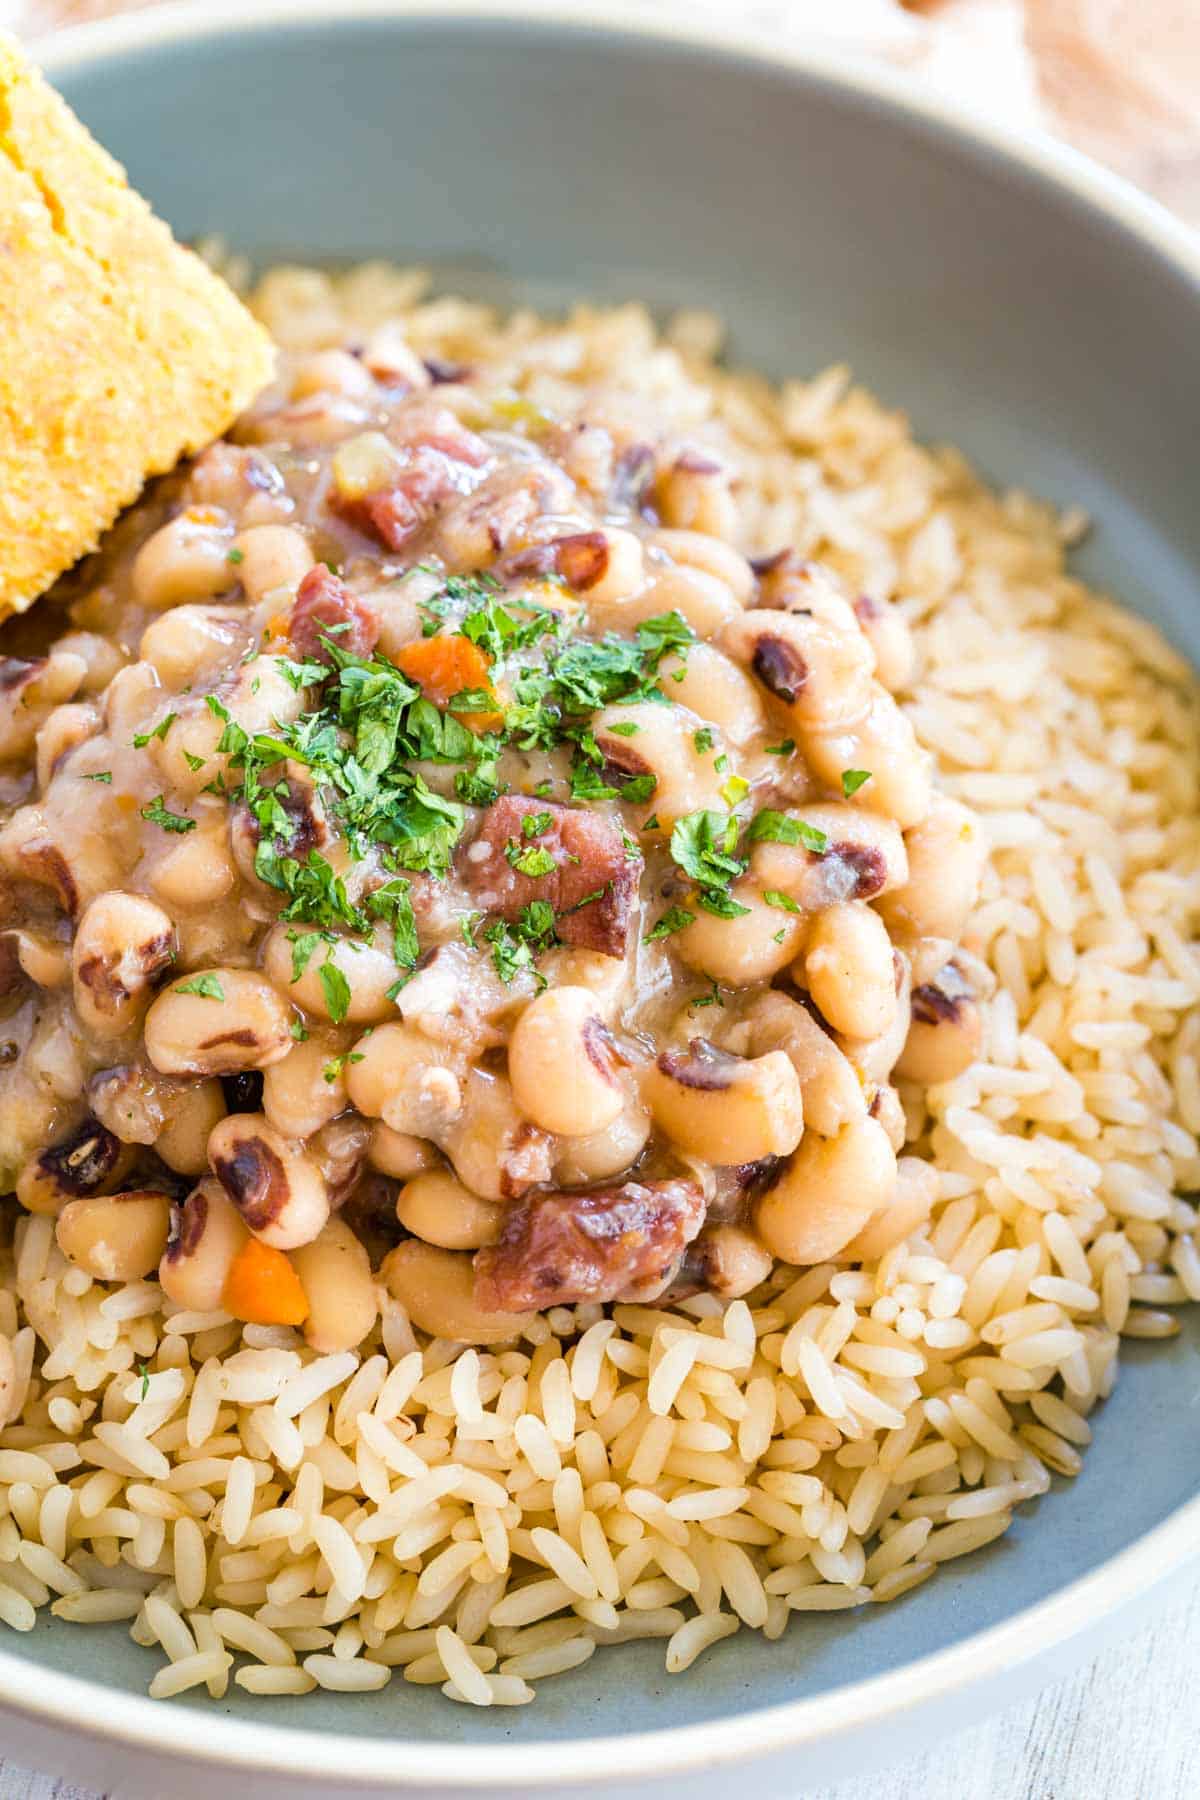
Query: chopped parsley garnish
(626, 728)
(336, 1064)
(157, 814)
(676, 918)
(103, 775)
(533, 824)
(703, 739)
(144, 1372)
(467, 928)
(208, 987)
(651, 823)
(784, 902)
(392, 904)
(336, 990)
(235, 556)
(781, 828)
(712, 998)
(194, 763)
(853, 779)
(703, 846)
(784, 749)
(534, 862)
(299, 1031)
(160, 731)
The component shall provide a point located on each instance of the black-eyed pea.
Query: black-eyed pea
(187, 758)
(750, 948)
(185, 559)
(437, 1290)
(347, 980)
(206, 1234)
(495, 1149)
(826, 1193)
(89, 1160)
(64, 730)
(704, 599)
(436, 1207)
(818, 675)
(946, 1031)
(308, 1088)
(338, 1150)
(712, 555)
(258, 697)
(724, 1108)
(131, 696)
(278, 1190)
(119, 1237)
(190, 641)
(853, 855)
(830, 1087)
(218, 1022)
(194, 870)
(29, 690)
(908, 1209)
(727, 1260)
(36, 958)
(605, 977)
(642, 739)
(390, 358)
(604, 566)
(101, 656)
(330, 372)
(884, 743)
(183, 1141)
(398, 1153)
(122, 945)
(271, 560)
(711, 685)
(887, 631)
(335, 1273)
(947, 852)
(849, 970)
(404, 1078)
(599, 1154)
(886, 1106)
(563, 1064)
(694, 494)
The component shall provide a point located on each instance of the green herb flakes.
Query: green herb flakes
(208, 987)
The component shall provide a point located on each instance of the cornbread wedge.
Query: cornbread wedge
(120, 351)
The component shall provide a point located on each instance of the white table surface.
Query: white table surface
(1126, 1727)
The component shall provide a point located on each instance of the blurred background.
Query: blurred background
(1118, 78)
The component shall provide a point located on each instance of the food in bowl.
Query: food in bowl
(601, 1032)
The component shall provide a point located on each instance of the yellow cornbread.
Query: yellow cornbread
(120, 351)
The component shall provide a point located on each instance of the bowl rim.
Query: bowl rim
(546, 1764)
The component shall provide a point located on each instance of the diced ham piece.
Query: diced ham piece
(323, 606)
(612, 1244)
(590, 859)
(442, 460)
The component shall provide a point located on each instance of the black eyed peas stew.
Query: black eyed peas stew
(432, 853)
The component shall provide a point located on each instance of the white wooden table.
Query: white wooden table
(1125, 1728)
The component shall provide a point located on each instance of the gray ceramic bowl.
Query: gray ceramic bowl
(1017, 302)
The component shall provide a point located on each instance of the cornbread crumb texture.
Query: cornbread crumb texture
(119, 350)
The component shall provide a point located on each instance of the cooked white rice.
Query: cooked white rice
(480, 1520)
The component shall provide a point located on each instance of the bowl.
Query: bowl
(1016, 301)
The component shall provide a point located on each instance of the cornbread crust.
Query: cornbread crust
(120, 351)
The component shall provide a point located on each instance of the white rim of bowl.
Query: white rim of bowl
(135, 1720)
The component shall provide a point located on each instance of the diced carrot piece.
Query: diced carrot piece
(262, 1288)
(444, 666)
